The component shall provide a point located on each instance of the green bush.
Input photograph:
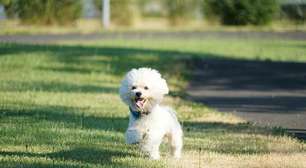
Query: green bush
(9, 8)
(241, 12)
(46, 12)
(180, 11)
(123, 12)
(296, 12)
(147, 11)
(5, 2)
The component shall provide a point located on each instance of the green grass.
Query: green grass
(59, 105)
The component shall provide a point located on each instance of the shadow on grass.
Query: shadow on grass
(14, 164)
(85, 60)
(241, 138)
(56, 87)
(221, 127)
(83, 155)
(72, 117)
(122, 59)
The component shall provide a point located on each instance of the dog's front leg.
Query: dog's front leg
(150, 144)
(132, 136)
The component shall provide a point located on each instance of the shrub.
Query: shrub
(5, 2)
(9, 8)
(180, 11)
(46, 12)
(242, 12)
(123, 12)
(296, 12)
(151, 8)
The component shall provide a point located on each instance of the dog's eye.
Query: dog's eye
(133, 87)
(146, 88)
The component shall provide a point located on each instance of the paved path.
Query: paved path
(140, 35)
(267, 93)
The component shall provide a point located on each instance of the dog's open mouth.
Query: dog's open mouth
(140, 102)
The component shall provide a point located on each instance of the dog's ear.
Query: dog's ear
(164, 87)
(125, 83)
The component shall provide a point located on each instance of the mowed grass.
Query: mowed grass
(59, 105)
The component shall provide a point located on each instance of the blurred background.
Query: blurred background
(86, 16)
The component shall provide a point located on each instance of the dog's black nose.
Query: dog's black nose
(138, 94)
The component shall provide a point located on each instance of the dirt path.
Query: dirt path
(267, 93)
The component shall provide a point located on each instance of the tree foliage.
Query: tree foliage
(180, 11)
(242, 12)
(123, 12)
(46, 12)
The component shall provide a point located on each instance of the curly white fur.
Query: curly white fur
(142, 90)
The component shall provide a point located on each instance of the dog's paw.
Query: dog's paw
(177, 156)
(176, 153)
(155, 156)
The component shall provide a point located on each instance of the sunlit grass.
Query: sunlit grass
(59, 105)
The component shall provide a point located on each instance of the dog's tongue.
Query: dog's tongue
(139, 103)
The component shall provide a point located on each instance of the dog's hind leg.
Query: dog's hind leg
(176, 142)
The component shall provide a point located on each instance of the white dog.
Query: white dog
(142, 90)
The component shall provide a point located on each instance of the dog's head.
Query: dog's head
(142, 89)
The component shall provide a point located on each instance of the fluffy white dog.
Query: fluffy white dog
(142, 90)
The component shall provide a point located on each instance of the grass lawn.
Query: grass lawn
(59, 105)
